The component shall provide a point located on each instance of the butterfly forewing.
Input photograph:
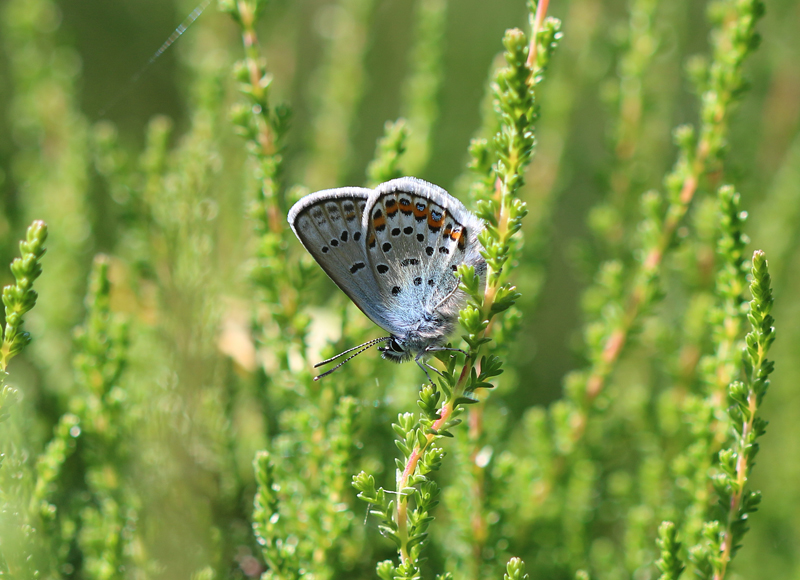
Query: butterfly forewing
(329, 224)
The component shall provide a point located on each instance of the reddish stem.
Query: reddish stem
(541, 12)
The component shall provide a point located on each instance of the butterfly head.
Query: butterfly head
(401, 348)
(395, 350)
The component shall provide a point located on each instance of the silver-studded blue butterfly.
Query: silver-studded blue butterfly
(394, 250)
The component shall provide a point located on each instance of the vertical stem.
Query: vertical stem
(541, 12)
(741, 479)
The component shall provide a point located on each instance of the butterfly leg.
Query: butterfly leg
(423, 364)
(445, 348)
(424, 370)
(434, 369)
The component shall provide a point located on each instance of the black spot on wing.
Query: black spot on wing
(382, 268)
(357, 266)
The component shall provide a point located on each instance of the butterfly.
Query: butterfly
(395, 251)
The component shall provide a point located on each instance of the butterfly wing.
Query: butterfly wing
(329, 225)
(416, 237)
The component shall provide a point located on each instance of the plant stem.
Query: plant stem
(401, 512)
(741, 478)
(541, 12)
(258, 74)
(514, 149)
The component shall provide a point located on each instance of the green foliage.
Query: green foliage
(389, 151)
(21, 297)
(723, 537)
(515, 570)
(165, 421)
(669, 563)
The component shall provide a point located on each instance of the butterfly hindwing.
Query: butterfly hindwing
(329, 225)
(417, 236)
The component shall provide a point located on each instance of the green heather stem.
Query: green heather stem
(515, 570)
(611, 219)
(445, 414)
(669, 563)
(264, 125)
(538, 23)
(730, 285)
(645, 277)
(313, 506)
(733, 40)
(738, 461)
(514, 147)
(385, 166)
(20, 297)
(261, 132)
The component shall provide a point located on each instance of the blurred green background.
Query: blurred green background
(90, 50)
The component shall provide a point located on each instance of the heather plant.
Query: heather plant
(604, 415)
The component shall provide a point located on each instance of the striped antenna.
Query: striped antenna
(360, 348)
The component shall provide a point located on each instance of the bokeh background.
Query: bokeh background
(70, 68)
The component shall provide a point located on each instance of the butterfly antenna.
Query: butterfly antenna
(365, 346)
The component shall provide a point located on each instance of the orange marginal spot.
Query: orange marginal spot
(459, 235)
(371, 240)
(421, 212)
(434, 223)
(462, 238)
(391, 207)
(379, 222)
(406, 207)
